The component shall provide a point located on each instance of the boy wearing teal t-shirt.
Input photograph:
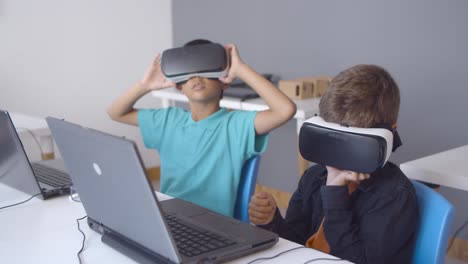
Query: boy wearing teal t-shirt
(202, 151)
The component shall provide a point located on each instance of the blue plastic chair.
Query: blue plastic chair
(436, 217)
(246, 188)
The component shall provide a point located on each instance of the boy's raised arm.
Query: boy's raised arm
(281, 108)
(122, 109)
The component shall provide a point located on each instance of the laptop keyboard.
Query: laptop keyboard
(192, 242)
(51, 176)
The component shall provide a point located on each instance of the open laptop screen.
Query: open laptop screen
(15, 170)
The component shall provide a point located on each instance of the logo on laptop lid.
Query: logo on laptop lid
(97, 169)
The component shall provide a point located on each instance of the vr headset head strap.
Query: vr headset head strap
(396, 137)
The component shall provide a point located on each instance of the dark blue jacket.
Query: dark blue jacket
(377, 223)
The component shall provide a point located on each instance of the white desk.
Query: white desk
(46, 232)
(306, 108)
(40, 130)
(448, 168)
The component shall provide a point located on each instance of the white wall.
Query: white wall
(70, 59)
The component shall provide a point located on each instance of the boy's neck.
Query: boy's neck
(201, 111)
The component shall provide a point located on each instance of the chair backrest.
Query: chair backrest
(246, 188)
(436, 216)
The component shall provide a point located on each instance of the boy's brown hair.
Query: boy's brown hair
(361, 96)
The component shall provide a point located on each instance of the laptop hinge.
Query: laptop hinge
(132, 249)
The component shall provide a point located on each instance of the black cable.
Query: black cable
(84, 238)
(277, 255)
(20, 202)
(455, 235)
(317, 259)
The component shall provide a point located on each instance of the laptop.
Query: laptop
(121, 205)
(48, 178)
(241, 92)
(239, 89)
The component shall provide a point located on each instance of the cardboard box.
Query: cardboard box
(320, 84)
(303, 88)
(296, 89)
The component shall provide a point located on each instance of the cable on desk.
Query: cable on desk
(317, 259)
(34, 137)
(20, 202)
(84, 237)
(455, 235)
(275, 256)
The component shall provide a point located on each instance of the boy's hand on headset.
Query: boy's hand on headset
(235, 63)
(154, 78)
(336, 177)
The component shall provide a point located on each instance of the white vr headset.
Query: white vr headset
(356, 149)
(204, 60)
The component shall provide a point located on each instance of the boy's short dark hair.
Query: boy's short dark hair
(361, 96)
(197, 42)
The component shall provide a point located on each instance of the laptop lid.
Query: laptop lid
(117, 195)
(15, 167)
(113, 188)
(242, 93)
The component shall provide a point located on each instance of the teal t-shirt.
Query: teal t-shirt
(201, 161)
